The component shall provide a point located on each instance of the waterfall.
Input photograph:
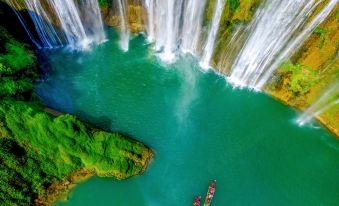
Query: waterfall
(92, 20)
(168, 13)
(192, 25)
(175, 26)
(328, 100)
(71, 24)
(169, 46)
(212, 35)
(49, 37)
(124, 31)
(276, 31)
(149, 4)
(76, 30)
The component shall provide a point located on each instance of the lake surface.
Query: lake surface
(199, 126)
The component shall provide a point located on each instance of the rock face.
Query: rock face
(136, 17)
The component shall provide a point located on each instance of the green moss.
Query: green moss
(105, 3)
(39, 150)
(323, 35)
(12, 87)
(301, 78)
(16, 67)
(17, 56)
(234, 4)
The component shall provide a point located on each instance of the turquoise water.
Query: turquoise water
(200, 128)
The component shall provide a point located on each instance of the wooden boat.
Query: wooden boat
(210, 193)
(197, 201)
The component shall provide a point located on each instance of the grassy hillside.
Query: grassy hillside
(43, 156)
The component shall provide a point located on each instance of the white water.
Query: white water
(327, 100)
(192, 26)
(174, 26)
(168, 28)
(276, 31)
(76, 30)
(124, 30)
(212, 35)
(149, 4)
(71, 24)
(92, 20)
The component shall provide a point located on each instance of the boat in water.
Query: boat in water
(210, 193)
(197, 201)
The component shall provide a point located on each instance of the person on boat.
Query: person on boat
(197, 201)
(210, 193)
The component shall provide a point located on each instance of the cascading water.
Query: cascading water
(212, 35)
(49, 37)
(229, 53)
(71, 24)
(124, 31)
(192, 25)
(328, 100)
(175, 26)
(149, 5)
(276, 31)
(168, 14)
(74, 31)
(92, 21)
(271, 39)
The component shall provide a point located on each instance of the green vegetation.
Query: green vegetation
(39, 150)
(323, 37)
(41, 155)
(301, 78)
(312, 68)
(311, 72)
(16, 67)
(105, 3)
(234, 4)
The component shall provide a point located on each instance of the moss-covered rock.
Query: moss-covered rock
(43, 156)
(40, 151)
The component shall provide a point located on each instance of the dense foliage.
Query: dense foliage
(40, 151)
(16, 67)
(301, 78)
(105, 3)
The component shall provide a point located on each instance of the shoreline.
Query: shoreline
(61, 192)
(319, 119)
